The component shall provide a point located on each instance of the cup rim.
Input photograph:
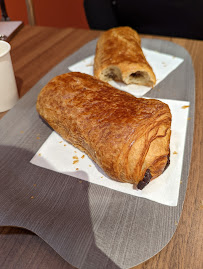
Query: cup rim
(8, 48)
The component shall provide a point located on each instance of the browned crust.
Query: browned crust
(119, 50)
(123, 134)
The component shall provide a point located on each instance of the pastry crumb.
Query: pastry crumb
(176, 223)
(183, 107)
(34, 185)
(90, 64)
(77, 169)
(80, 181)
(83, 156)
(60, 142)
(181, 182)
(38, 137)
(32, 197)
(175, 152)
(75, 157)
(189, 118)
(39, 154)
(90, 165)
(76, 161)
(21, 132)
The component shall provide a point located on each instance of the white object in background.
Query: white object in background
(8, 88)
(10, 28)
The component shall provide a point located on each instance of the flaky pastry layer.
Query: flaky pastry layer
(126, 136)
(119, 56)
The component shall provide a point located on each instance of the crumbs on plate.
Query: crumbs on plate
(89, 64)
(76, 160)
(184, 107)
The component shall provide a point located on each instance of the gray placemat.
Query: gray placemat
(88, 225)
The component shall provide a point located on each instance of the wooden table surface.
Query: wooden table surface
(35, 50)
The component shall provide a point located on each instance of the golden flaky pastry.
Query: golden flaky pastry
(127, 137)
(119, 57)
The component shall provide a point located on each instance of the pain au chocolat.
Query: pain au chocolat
(127, 137)
(119, 56)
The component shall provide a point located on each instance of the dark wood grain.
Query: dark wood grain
(35, 50)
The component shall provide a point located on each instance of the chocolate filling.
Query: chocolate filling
(137, 74)
(148, 176)
(145, 180)
(168, 162)
(111, 75)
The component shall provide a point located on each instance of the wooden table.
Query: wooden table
(35, 50)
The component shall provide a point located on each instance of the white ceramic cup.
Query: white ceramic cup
(8, 88)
